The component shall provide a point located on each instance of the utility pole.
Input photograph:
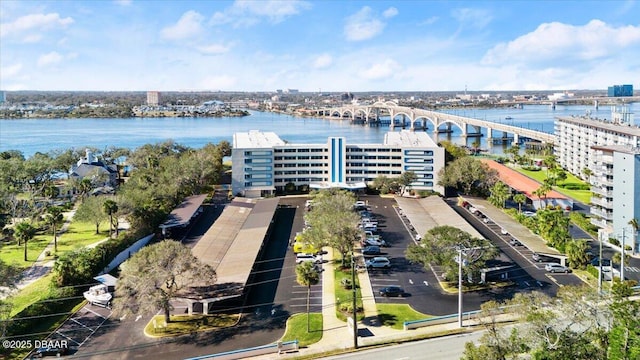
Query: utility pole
(460, 287)
(600, 272)
(622, 258)
(355, 307)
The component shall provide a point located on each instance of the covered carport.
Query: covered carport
(527, 186)
(182, 215)
(231, 246)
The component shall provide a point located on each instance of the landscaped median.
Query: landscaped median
(297, 329)
(188, 324)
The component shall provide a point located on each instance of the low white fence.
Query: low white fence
(254, 351)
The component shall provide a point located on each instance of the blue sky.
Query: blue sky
(318, 45)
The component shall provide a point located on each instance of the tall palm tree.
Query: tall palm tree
(307, 275)
(110, 207)
(520, 199)
(25, 232)
(54, 218)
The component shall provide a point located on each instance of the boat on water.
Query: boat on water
(98, 295)
(508, 118)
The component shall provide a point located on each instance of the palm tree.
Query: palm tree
(25, 232)
(587, 172)
(307, 275)
(635, 226)
(542, 192)
(520, 199)
(54, 218)
(110, 207)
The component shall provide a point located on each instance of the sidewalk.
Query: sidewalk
(41, 267)
(336, 334)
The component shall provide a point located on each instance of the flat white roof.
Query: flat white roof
(256, 139)
(406, 138)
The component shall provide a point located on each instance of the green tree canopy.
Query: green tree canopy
(155, 275)
(468, 175)
(440, 246)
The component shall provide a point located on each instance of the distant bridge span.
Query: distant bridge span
(418, 118)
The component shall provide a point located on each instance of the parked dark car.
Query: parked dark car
(51, 351)
(392, 291)
(514, 242)
(371, 250)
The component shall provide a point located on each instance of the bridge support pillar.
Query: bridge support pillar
(516, 139)
(489, 133)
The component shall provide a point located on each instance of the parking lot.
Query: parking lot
(79, 328)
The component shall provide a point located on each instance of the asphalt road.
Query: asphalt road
(442, 348)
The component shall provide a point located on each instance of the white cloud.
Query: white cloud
(428, 21)
(10, 71)
(363, 25)
(390, 12)
(220, 82)
(381, 70)
(213, 49)
(561, 42)
(189, 25)
(34, 22)
(249, 12)
(51, 58)
(322, 61)
(475, 18)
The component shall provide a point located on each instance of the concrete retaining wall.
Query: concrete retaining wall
(125, 254)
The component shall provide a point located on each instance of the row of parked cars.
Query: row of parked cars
(372, 242)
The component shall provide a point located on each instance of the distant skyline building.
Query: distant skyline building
(153, 98)
(3, 96)
(264, 164)
(620, 90)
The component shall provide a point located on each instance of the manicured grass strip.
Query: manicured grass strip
(584, 196)
(297, 329)
(394, 315)
(187, 324)
(344, 297)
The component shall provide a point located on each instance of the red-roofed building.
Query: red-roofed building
(524, 184)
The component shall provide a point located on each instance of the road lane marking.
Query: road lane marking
(426, 283)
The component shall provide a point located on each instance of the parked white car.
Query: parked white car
(302, 257)
(557, 268)
(379, 262)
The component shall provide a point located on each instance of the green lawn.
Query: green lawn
(344, 297)
(394, 315)
(187, 324)
(30, 294)
(14, 254)
(79, 235)
(297, 329)
(583, 196)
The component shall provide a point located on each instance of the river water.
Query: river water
(43, 135)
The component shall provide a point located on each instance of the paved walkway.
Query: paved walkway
(42, 266)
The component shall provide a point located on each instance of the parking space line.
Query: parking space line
(97, 314)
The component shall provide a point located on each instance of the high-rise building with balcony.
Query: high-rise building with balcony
(615, 184)
(609, 150)
(264, 164)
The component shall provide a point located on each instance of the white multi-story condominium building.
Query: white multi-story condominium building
(576, 135)
(608, 148)
(262, 163)
(615, 184)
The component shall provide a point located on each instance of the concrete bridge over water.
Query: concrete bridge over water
(419, 119)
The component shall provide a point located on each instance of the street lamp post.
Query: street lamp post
(622, 257)
(355, 308)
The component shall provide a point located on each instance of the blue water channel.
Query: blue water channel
(43, 135)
